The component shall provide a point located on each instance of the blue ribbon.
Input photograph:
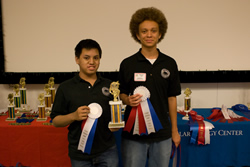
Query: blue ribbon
(90, 138)
(156, 121)
(176, 155)
(194, 127)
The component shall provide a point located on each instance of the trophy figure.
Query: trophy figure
(187, 103)
(41, 108)
(17, 99)
(11, 109)
(23, 94)
(52, 89)
(116, 107)
(47, 98)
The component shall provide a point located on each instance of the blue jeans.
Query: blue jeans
(137, 154)
(108, 158)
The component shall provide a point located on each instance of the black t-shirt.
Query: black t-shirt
(161, 79)
(74, 93)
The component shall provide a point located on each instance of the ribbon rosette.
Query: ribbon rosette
(143, 116)
(200, 128)
(89, 127)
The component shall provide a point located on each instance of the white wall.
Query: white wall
(204, 95)
(40, 35)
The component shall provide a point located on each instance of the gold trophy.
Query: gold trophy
(187, 103)
(23, 94)
(47, 98)
(116, 107)
(52, 89)
(11, 108)
(41, 108)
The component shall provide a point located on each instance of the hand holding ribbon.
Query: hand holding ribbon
(143, 116)
(89, 127)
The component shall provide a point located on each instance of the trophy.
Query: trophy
(52, 89)
(11, 109)
(23, 94)
(47, 98)
(187, 103)
(41, 108)
(116, 107)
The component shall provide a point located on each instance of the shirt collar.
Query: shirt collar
(140, 56)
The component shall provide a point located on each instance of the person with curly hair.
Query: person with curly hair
(154, 75)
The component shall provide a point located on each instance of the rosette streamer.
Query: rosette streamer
(89, 127)
(176, 155)
(200, 128)
(143, 117)
(225, 115)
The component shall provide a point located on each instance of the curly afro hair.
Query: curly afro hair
(150, 13)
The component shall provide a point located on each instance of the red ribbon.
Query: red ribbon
(201, 132)
(142, 127)
(131, 120)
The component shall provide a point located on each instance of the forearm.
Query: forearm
(124, 99)
(63, 120)
(173, 113)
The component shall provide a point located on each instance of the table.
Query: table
(34, 145)
(39, 145)
(229, 144)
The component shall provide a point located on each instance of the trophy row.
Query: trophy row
(18, 101)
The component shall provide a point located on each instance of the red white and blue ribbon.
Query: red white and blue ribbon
(225, 115)
(89, 127)
(200, 128)
(143, 117)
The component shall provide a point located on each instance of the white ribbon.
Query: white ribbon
(233, 114)
(208, 127)
(225, 112)
(136, 125)
(147, 117)
(85, 133)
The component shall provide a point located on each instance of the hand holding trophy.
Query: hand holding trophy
(116, 107)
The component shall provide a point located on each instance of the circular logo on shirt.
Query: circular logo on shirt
(105, 91)
(165, 73)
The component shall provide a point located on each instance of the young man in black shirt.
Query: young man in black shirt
(72, 108)
(155, 76)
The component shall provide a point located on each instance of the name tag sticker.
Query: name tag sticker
(140, 76)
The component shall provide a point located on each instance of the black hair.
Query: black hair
(87, 44)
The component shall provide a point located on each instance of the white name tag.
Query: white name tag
(140, 76)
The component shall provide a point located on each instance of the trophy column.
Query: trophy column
(23, 95)
(116, 114)
(41, 108)
(11, 109)
(116, 107)
(53, 93)
(47, 99)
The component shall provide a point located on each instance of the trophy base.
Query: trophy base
(117, 125)
(10, 119)
(185, 118)
(41, 119)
